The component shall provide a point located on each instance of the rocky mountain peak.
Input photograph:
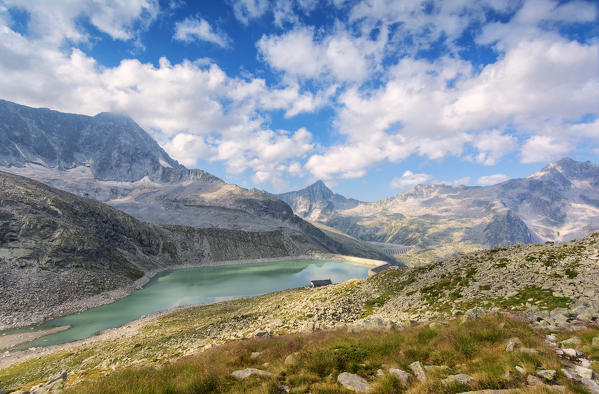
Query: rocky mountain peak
(319, 188)
(111, 145)
(569, 168)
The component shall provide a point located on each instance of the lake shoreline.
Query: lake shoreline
(111, 296)
(12, 357)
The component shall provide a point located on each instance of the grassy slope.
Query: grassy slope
(433, 292)
(475, 348)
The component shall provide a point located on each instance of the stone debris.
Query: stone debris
(255, 355)
(574, 341)
(459, 378)
(246, 373)
(403, 376)
(54, 385)
(353, 382)
(572, 352)
(290, 360)
(585, 373)
(547, 374)
(473, 314)
(513, 344)
(418, 371)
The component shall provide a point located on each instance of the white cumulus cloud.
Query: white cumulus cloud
(542, 149)
(492, 179)
(191, 29)
(409, 179)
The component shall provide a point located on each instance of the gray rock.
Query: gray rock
(290, 360)
(418, 371)
(547, 374)
(460, 378)
(568, 373)
(591, 385)
(247, 372)
(595, 342)
(255, 355)
(473, 314)
(520, 370)
(574, 341)
(403, 376)
(353, 382)
(572, 353)
(585, 373)
(513, 344)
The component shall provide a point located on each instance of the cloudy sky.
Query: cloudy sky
(371, 96)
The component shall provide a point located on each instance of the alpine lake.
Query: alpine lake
(190, 286)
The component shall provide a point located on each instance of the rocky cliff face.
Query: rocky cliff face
(558, 203)
(112, 146)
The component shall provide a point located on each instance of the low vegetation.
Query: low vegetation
(475, 348)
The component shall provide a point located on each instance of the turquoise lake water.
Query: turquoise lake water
(197, 286)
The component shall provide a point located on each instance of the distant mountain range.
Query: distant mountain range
(558, 203)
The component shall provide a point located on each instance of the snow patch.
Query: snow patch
(164, 164)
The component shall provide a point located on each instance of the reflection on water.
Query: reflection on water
(197, 286)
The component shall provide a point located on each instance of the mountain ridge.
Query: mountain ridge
(557, 203)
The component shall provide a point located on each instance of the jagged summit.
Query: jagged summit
(571, 169)
(316, 200)
(318, 188)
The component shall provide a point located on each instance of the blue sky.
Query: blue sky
(371, 96)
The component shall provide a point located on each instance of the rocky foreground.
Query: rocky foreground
(552, 288)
